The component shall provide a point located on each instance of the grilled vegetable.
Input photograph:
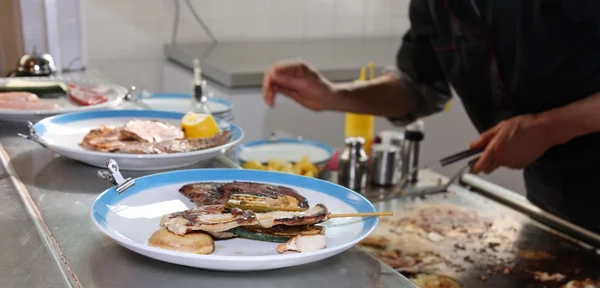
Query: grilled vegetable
(288, 230)
(263, 204)
(42, 89)
(276, 234)
(244, 233)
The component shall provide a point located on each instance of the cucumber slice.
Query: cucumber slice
(41, 88)
(243, 233)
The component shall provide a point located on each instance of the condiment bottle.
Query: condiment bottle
(413, 135)
(361, 125)
(384, 164)
(198, 100)
(353, 164)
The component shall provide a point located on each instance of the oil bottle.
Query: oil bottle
(362, 125)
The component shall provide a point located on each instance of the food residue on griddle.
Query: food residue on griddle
(447, 240)
(587, 283)
(545, 276)
(380, 242)
(435, 281)
(534, 255)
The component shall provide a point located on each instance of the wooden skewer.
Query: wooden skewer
(361, 214)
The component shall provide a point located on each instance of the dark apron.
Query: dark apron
(565, 182)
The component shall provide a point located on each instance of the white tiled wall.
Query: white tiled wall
(70, 32)
(116, 28)
(34, 30)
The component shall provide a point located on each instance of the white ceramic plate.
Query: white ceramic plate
(63, 133)
(181, 103)
(114, 93)
(131, 217)
(285, 150)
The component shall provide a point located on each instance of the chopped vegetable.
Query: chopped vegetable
(303, 167)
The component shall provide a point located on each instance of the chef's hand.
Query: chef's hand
(513, 143)
(300, 82)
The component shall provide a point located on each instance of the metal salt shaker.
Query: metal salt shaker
(413, 135)
(384, 162)
(391, 137)
(353, 164)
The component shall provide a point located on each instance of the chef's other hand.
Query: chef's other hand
(513, 143)
(300, 82)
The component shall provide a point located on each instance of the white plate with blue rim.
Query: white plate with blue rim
(285, 149)
(176, 102)
(131, 217)
(64, 133)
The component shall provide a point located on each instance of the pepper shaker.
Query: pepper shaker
(413, 135)
(353, 164)
(384, 161)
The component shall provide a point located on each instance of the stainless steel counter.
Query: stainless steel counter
(61, 247)
(239, 64)
(26, 259)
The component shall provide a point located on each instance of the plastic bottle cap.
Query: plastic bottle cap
(412, 135)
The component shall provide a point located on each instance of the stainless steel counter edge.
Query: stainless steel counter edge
(520, 203)
(43, 231)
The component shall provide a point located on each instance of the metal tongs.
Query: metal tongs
(441, 163)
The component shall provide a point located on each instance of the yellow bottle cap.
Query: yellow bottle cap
(371, 70)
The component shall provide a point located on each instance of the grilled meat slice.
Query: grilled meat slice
(221, 235)
(199, 219)
(214, 193)
(19, 97)
(176, 146)
(105, 139)
(114, 140)
(26, 105)
(152, 131)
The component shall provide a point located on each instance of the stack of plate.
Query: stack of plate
(218, 107)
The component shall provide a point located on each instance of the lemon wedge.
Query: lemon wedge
(199, 125)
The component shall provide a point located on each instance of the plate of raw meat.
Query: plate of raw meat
(138, 139)
(233, 219)
(33, 100)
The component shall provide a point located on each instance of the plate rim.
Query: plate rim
(113, 234)
(179, 115)
(330, 151)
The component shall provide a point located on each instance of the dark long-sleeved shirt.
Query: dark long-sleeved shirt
(509, 57)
